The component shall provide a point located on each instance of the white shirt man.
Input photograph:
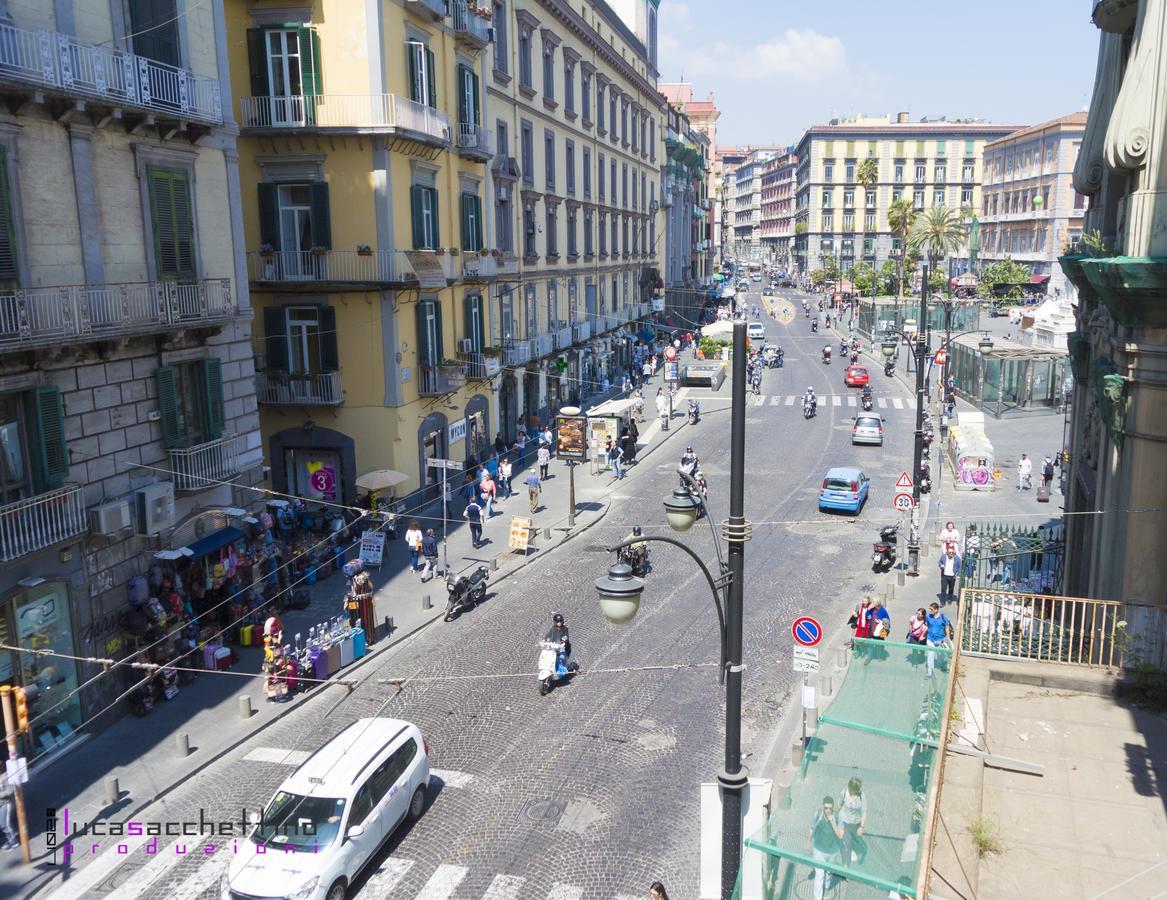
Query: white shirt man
(1024, 472)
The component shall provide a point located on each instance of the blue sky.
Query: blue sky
(779, 66)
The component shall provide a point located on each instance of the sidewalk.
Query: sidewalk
(144, 755)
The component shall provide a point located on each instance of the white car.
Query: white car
(756, 331)
(331, 816)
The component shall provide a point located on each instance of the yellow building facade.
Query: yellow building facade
(385, 239)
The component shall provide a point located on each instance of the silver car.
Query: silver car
(868, 429)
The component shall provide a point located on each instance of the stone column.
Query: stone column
(88, 216)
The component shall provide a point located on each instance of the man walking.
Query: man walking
(429, 552)
(662, 408)
(534, 488)
(949, 568)
(1024, 472)
(544, 457)
(504, 477)
(1047, 471)
(938, 634)
(473, 514)
(824, 842)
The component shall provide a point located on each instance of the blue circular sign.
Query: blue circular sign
(807, 631)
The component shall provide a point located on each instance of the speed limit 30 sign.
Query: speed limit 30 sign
(903, 502)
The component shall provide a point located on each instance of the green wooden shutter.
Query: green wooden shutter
(321, 217)
(311, 76)
(438, 325)
(168, 406)
(415, 202)
(9, 268)
(213, 418)
(415, 50)
(50, 453)
(329, 353)
(269, 213)
(257, 59)
(464, 112)
(173, 220)
(464, 208)
(183, 226)
(481, 225)
(475, 111)
(275, 337)
(433, 192)
(468, 318)
(431, 78)
(423, 356)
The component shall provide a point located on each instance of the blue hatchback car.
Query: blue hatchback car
(845, 488)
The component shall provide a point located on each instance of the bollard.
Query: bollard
(812, 719)
(494, 564)
(182, 741)
(825, 686)
(891, 591)
(781, 791)
(244, 706)
(547, 534)
(113, 793)
(843, 651)
(796, 751)
(900, 580)
(427, 602)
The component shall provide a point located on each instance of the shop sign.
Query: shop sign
(322, 478)
(428, 268)
(457, 431)
(658, 304)
(372, 550)
(571, 437)
(37, 616)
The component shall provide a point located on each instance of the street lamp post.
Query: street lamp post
(620, 595)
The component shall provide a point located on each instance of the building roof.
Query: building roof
(1075, 121)
(912, 128)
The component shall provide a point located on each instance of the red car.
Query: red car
(855, 376)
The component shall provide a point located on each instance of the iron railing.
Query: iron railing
(474, 140)
(516, 352)
(1017, 558)
(41, 316)
(581, 331)
(544, 345)
(41, 521)
(360, 111)
(435, 9)
(299, 389)
(469, 28)
(479, 366)
(563, 337)
(62, 63)
(330, 265)
(205, 465)
(437, 381)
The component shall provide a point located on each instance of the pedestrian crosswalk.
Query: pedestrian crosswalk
(850, 400)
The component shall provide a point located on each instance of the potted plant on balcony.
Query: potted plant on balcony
(440, 251)
(483, 252)
(364, 250)
(496, 252)
(267, 251)
(453, 251)
(319, 251)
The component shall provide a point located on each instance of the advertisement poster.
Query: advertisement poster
(571, 440)
(604, 427)
(322, 478)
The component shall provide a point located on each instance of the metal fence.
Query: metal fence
(1013, 557)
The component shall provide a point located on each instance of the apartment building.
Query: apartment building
(1030, 211)
(747, 204)
(777, 213)
(444, 241)
(933, 162)
(128, 403)
(688, 248)
(702, 116)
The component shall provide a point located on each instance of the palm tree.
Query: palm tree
(940, 231)
(867, 176)
(901, 216)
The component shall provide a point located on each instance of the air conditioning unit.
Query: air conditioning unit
(503, 193)
(110, 519)
(154, 507)
(465, 346)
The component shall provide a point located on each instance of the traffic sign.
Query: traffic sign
(807, 631)
(904, 481)
(670, 352)
(941, 357)
(806, 659)
(903, 502)
(443, 464)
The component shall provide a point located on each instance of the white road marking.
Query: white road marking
(140, 881)
(443, 883)
(92, 874)
(382, 882)
(565, 892)
(897, 402)
(775, 400)
(759, 400)
(504, 887)
(208, 873)
(277, 755)
(451, 778)
(850, 399)
(882, 402)
(836, 400)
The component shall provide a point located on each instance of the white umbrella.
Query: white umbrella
(381, 479)
(715, 329)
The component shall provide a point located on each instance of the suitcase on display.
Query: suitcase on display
(334, 657)
(346, 650)
(320, 669)
(359, 643)
(247, 636)
(209, 651)
(306, 672)
(293, 676)
(1043, 494)
(301, 598)
(223, 659)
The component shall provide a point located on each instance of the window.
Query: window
(548, 71)
(828, 221)
(848, 221)
(603, 234)
(921, 172)
(624, 235)
(968, 171)
(529, 249)
(549, 160)
(652, 139)
(424, 205)
(190, 402)
(423, 86)
(585, 97)
(600, 178)
(615, 234)
(285, 66)
(429, 333)
(869, 221)
(624, 122)
(828, 199)
(644, 134)
(171, 214)
(569, 162)
(503, 146)
(938, 197)
(552, 235)
(503, 220)
(588, 243)
(525, 59)
(651, 235)
(899, 171)
(643, 205)
(9, 260)
(829, 171)
(635, 132)
(154, 28)
(940, 173)
(849, 171)
(469, 105)
(527, 139)
(612, 172)
(501, 51)
(848, 199)
(35, 456)
(572, 243)
(587, 172)
(569, 89)
(612, 112)
(300, 339)
(599, 107)
(897, 194)
(624, 185)
(966, 197)
(472, 239)
(869, 246)
(870, 199)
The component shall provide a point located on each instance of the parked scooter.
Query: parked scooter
(925, 480)
(553, 665)
(466, 591)
(883, 551)
(694, 412)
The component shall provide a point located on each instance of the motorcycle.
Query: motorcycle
(756, 383)
(889, 368)
(553, 665)
(925, 479)
(827, 357)
(814, 326)
(466, 591)
(636, 559)
(854, 357)
(694, 412)
(866, 399)
(808, 408)
(842, 347)
(883, 551)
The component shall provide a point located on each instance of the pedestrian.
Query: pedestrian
(853, 818)
(521, 445)
(628, 447)
(638, 403)
(487, 491)
(504, 477)
(950, 537)
(500, 444)
(413, 538)
(824, 841)
(656, 891)
(429, 551)
(548, 438)
(939, 633)
(646, 369)
(1024, 472)
(544, 458)
(10, 836)
(918, 627)
(861, 620)
(534, 487)
(972, 549)
(949, 565)
(626, 387)
(880, 620)
(1047, 471)
(473, 514)
(662, 408)
(613, 453)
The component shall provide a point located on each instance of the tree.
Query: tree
(940, 231)
(830, 268)
(994, 278)
(888, 277)
(900, 218)
(863, 277)
(867, 174)
(817, 277)
(936, 281)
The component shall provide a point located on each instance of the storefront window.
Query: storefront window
(43, 623)
(477, 439)
(314, 474)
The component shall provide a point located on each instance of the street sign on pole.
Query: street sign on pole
(903, 502)
(443, 464)
(806, 659)
(670, 352)
(903, 481)
(807, 631)
(941, 357)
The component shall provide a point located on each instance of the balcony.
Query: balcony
(470, 29)
(516, 352)
(41, 317)
(347, 113)
(433, 10)
(543, 345)
(480, 366)
(474, 143)
(317, 269)
(563, 336)
(35, 523)
(204, 465)
(299, 389)
(437, 381)
(49, 60)
(581, 331)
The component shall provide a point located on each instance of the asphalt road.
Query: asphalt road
(592, 791)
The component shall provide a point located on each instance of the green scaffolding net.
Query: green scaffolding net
(872, 759)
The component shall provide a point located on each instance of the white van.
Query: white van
(332, 814)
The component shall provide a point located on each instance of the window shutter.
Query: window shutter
(257, 58)
(329, 355)
(269, 213)
(463, 100)
(311, 77)
(213, 374)
(468, 319)
(321, 221)
(168, 406)
(431, 78)
(415, 65)
(423, 355)
(481, 224)
(50, 455)
(275, 337)
(170, 208)
(438, 325)
(474, 92)
(415, 201)
(464, 208)
(183, 226)
(437, 224)
(8, 261)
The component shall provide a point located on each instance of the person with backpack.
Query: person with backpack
(824, 842)
(473, 514)
(939, 633)
(1047, 471)
(853, 818)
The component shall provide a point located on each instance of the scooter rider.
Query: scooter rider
(689, 460)
(810, 399)
(827, 353)
(637, 551)
(558, 633)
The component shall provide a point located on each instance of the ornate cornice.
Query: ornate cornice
(526, 20)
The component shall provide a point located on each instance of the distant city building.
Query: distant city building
(933, 162)
(703, 116)
(688, 253)
(777, 222)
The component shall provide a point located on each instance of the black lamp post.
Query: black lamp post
(620, 594)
